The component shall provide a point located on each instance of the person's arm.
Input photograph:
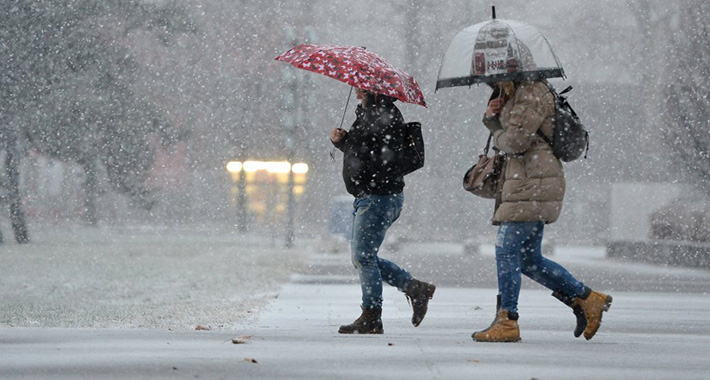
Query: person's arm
(393, 142)
(492, 123)
(398, 132)
(491, 119)
(338, 136)
(525, 119)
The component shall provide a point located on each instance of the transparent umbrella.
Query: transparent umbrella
(496, 50)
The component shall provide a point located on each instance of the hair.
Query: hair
(378, 99)
(508, 88)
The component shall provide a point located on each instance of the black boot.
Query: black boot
(418, 294)
(576, 309)
(369, 322)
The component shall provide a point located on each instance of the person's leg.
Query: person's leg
(510, 240)
(418, 293)
(586, 304)
(366, 237)
(373, 216)
(392, 273)
(545, 271)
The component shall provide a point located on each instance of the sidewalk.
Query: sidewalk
(644, 336)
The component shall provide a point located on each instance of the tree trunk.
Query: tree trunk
(90, 192)
(412, 34)
(17, 217)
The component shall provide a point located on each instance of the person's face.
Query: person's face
(361, 94)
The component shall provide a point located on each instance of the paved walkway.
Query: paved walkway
(645, 335)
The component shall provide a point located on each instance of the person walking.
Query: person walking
(529, 197)
(373, 175)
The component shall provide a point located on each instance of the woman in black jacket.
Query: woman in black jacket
(372, 172)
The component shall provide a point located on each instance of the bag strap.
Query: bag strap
(409, 126)
(547, 139)
(488, 144)
(555, 95)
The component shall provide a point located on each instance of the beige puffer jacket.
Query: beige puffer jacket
(534, 182)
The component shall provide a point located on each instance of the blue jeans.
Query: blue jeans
(372, 216)
(519, 250)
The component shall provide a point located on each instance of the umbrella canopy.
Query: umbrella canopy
(497, 50)
(357, 67)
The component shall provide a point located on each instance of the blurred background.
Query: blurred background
(174, 113)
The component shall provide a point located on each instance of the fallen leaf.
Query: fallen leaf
(203, 328)
(250, 360)
(241, 339)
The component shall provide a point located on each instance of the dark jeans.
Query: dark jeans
(519, 250)
(373, 215)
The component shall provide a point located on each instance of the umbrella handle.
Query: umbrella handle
(332, 152)
(346, 107)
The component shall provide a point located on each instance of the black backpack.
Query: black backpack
(569, 139)
(412, 157)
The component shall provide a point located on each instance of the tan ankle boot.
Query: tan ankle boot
(369, 322)
(593, 306)
(503, 329)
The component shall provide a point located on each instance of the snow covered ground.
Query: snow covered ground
(124, 304)
(141, 277)
(644, 336)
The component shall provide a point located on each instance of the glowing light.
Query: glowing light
(300, 168)
(278, 167)
(252, 166)
(234, 167)
(269, 166)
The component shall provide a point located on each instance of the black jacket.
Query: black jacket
(372, 149)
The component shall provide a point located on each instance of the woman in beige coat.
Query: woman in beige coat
(530, 196)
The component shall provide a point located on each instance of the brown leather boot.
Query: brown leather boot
(576, 309)
(495, 319)
(504, 329)
(418, 294)
(369, 322)
(593, 306)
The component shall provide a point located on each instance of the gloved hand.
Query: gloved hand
(492, 123)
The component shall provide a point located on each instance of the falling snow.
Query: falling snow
(126, 131)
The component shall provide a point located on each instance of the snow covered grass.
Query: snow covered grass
(141, 277)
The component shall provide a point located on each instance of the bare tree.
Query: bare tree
(67, 89)
(687, 107)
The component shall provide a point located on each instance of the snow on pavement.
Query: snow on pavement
(141, 277)
(644, 336)
(107, 304)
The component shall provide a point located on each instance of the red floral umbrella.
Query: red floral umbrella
(356, 67)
